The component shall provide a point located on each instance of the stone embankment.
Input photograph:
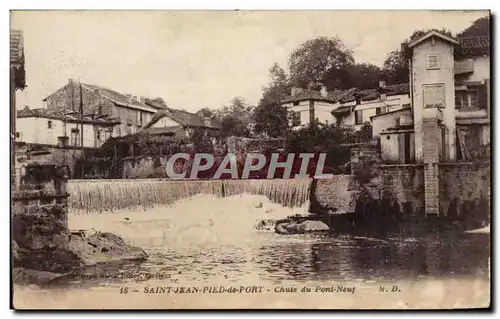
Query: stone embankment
(43, 248)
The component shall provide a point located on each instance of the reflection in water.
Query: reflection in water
(189, 247)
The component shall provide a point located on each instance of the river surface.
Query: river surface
(206, 241)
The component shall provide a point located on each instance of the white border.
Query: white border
(187, 4)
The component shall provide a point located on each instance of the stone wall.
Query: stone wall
(464, 189)
(40, 220)
(68, 98)
(145, 167)
(332, 195)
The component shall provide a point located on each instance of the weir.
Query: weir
(95, 196)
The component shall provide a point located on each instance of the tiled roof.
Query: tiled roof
(117, 97)
(16, 46)
(59, 115)
(154, 103)
(331, 97)
(182, 117)
(474, 45)
(373, 94)
(343, 109)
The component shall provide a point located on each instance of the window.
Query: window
(75, 137)
(295, 103)
(432, 61)
(466, 99)
(139, 119)
(398, 121)
(18, 134)
(378, 111)
(434, 96)
(49, 124)
(358, 117)
(407, 105)
(471, 96)
(295, 119)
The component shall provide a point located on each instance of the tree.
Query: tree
(480, 27)
(232, 126)
(396, 67)
(321, 138)
(315, 58)
(270, 117)
(362, 76)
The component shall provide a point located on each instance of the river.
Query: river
(206, 241)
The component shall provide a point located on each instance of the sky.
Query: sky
(196, 59)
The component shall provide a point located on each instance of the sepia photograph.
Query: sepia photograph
(250, 159)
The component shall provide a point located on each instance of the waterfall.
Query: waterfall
(87, 196)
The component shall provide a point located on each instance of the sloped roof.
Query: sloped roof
(431, 34)
(182, 117)
(117, 97)
(69, 117)
(331, 97)
(373, 94)
(479, 45)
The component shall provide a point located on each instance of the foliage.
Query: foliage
(396, 67)
(362, 76)
(480, 27)
(269, 116)
(321, 138)
(315, 58)
(233, 126)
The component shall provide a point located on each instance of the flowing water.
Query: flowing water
(205, 240)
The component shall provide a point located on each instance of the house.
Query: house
(349, 108)
(449, 118)
(182, 123)
(132, 112)
(356, 107)
(305, 106)
(51, 128)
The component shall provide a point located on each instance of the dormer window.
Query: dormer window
(432, 61)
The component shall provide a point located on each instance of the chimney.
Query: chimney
(381, 84)
(293, 91)
(207, 121)
(142, 99)
(134, 98)
(26, 107)
(324, 91)
(129, 98)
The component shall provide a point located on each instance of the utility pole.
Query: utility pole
(82, 159)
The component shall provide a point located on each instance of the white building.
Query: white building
(348, 108)
(450, 103)
(53, 129)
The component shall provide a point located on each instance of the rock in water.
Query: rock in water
(308, 226)
(104, 247)
(312, 226)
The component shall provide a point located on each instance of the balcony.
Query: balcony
(464, 67)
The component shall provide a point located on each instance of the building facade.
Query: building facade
(54, 129)
(450, 97)
(132, 112)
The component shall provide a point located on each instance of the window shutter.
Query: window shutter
(458, 100)
(482, 99)
(432, 61)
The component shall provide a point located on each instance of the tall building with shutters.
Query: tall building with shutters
(449, 117)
